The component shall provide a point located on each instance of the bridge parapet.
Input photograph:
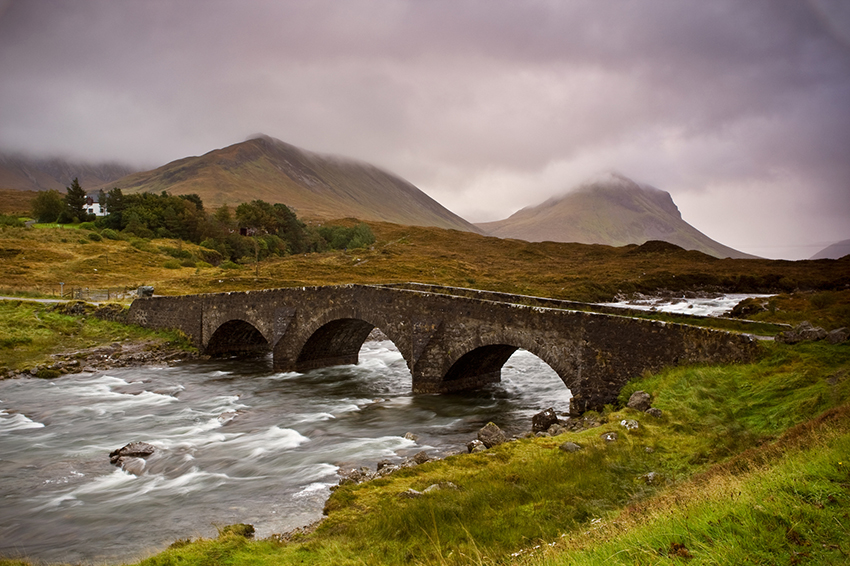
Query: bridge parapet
(451, 339)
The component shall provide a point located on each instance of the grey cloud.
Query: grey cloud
(488, 106)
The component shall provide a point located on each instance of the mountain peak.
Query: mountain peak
(316, 186)
(608, 178)
(609, 208)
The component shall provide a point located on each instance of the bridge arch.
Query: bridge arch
(236, 336)
(479, 361)
(336, 343)
(333, 339)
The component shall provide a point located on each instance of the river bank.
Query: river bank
(98, 359)
(50, 339)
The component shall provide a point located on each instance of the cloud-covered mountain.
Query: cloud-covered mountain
(612, 210)
(21, 173)
(315, 186)
(834, 251)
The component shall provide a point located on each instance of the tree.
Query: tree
(47, 205)
(194, 198)
(114, 201)
(75, 201)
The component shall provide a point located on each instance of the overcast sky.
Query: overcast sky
(739, 109)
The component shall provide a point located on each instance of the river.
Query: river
(236, 443)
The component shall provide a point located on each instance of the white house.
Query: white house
(92, 206)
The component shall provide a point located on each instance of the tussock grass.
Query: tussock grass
(785, 504)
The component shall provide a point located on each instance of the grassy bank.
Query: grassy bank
(31, 332)
(788, 505)
(738, 467)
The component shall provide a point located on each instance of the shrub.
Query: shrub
(95, 237)
(83, 241)
(239, 529)
(209, 256)
(9, 220)
(47, 205)
(46, 373)
(823, 300)
(87, 225)
(175, 252)
(143, 245)
(110, 234)
(188, 263)
(202, 265)
(230, 265)
(339, 237)
(171, 264)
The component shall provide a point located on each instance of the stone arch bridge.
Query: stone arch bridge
(452, 339)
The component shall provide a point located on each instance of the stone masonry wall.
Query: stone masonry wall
(464, 337)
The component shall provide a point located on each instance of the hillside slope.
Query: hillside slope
(834, 251)
(21, 173)
(611, 210)
(315, 186)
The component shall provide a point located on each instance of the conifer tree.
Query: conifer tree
(75, 201)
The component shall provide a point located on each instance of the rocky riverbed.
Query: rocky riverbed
(102, 358)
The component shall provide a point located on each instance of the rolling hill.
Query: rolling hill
(315, 186)
(611, 210)
(834, 251)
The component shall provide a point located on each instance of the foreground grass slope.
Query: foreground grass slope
(747, 464)
(785, 507)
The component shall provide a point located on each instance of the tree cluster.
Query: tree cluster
(52, 206)
(255, 231)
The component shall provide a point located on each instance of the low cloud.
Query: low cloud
(739, 110)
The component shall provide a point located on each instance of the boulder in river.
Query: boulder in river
(131, 457)
(491, 435)
(132, 450)
(543, 420)
(421, 457)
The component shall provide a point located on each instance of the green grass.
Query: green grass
(789, 510)
(743, 472)
(30, 332)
